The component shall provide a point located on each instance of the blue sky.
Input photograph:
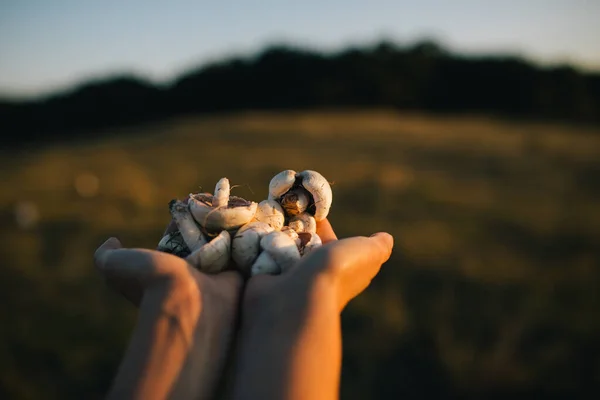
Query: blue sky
(53, 44)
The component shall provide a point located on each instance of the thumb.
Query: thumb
(102, 252)
(357, 260)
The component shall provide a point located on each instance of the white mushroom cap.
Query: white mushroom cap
(214, 256)
(245, 245)
(281, 248)
(293, 234)
(281, 183)
(238, 212)
(265, 264)
(309, 242)
(279, 253)
(319, 188)
(313, 183)
(303, 222)
(270, 212)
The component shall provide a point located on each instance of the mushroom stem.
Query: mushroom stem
(190, 232)
(295, 201)
(245, 245)
(214, 256)
(221, 195)
(265, 264)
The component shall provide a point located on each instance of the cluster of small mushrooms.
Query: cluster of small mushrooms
(216, 231)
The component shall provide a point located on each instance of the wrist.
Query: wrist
(290, 334)
(191, 332)
(160, 344)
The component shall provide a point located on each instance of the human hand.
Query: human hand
(185, 326)
(290, 337)
(336, 272)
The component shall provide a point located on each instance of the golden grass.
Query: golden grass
(485, 205)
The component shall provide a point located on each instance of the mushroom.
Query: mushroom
(309, 241)
(305, 241)
(306, 191)
(186, 225)
(270, 212)
(282, 249)
(303, 222)
(279, 253)
(213, 229)
(292, 233)
(245, 245)
(221, 211)
(173, 243)
(208, 256)
(265, 264)
(213, 256)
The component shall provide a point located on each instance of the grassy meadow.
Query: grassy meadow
(493, 287)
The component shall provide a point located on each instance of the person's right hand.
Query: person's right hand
(336, 272)
(290, 336)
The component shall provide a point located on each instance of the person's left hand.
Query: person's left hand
(202, 307)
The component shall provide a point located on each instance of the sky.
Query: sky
(48, 45)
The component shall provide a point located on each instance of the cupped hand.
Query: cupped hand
(290, 336)
(340, 270)
(134, 272)
(202, 307)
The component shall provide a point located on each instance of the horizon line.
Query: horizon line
(104, 76)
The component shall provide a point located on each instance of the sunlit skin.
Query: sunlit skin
(290, 338)
(289, 342)
(185, 323)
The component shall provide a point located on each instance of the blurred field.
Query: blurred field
(493, 288)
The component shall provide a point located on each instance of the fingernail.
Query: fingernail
(384, 235)
(111, 243)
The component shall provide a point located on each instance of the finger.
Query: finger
(325, 231)
(364, 255)
(356, 261)
(386, 242)
(102, 252)
(131, 271)
(130, 290)
(140, 264)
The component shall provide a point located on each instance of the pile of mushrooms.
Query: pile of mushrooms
(220, 231)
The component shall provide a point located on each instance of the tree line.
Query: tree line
(422, 77)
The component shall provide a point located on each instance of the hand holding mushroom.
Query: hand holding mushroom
(187, 318)
(216, 231)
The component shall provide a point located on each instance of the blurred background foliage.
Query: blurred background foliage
(492, 290)
(418, 77)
